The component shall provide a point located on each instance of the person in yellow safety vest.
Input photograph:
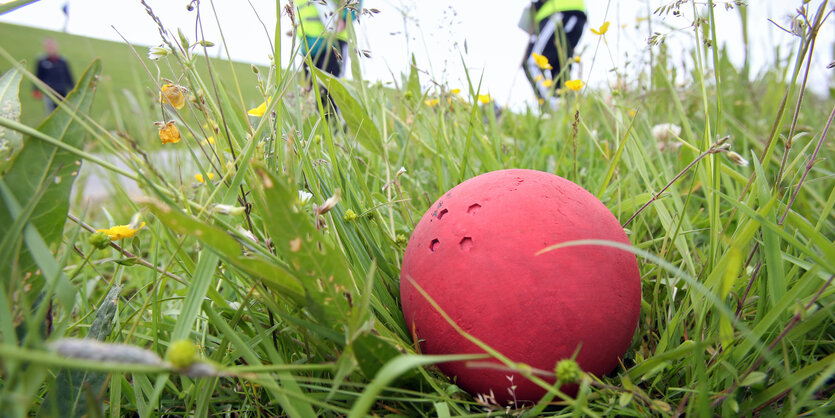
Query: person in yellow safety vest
(323, 35)
(557, 27)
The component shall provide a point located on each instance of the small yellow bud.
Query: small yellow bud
(568, 371)
(100, 240)
(350, 216)
(181, 353)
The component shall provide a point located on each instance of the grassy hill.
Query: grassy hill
(124, 87)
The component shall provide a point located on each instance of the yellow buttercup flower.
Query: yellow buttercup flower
(431, 102)
(576, 58)
(484, 98)
(199, 177)
(602, 30)
(547, 83)
(173, 95)
(168, 132)
(538, 78)
(121, 231)
(258, 111)
(575, 85)
(541, 61)
(455, 91)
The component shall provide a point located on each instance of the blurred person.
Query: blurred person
(54, 71)
(323, 34)
(555, 27)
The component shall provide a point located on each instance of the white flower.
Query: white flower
(304, 197)
(665, 131)
(737, 159)
(228, 209)
(157, 52)
(246, 233)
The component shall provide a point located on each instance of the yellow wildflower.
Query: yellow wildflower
(258, 111)
(541, 61)
(209, 140)
(121, 231)
(576, 58)
(575, 85)
(431, 102)
(168, 132)
(538, 78)
(173, 95)
(602, 30)
(199, 177)
(547, 83)
(484, 98)
(632, 112)
(455, 91)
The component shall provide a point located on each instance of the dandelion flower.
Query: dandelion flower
(121, 231)
(431, 102)
(258, 111)
(173, 95)
(541, 61)
(484, 98)
(199, 177)
(575, 85)
(602, 30)
(168, 132)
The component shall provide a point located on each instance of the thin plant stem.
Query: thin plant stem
(718, 146)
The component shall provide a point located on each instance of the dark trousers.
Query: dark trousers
(332, 63)
(556, 39)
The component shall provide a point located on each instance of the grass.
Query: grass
(736, 261)
(124, 94)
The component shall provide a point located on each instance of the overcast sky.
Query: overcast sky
(439, 33)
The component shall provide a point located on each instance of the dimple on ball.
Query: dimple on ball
(474, 253)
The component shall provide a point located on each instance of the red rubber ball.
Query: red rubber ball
(474, 253)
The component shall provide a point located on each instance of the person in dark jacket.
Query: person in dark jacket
(556, 28)
(54, 71)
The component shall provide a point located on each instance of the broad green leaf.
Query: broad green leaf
(10, 141)
(359, 123)
(42, 163)
(42, 257)
(320, 268)
(775, 273)
(753, 379)
(226, 247)
(372, 353)
(413, 84)
(73, 386)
